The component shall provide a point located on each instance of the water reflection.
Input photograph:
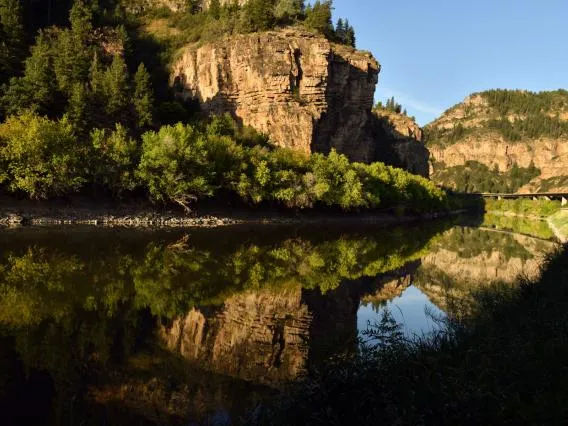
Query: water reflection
(165, 327)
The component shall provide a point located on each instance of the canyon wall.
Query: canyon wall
(307, 93)
(479, 141)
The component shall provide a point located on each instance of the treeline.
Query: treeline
(523, 102)
(477, 177)
(518, 115)
(44, 158)
(82, 115)
(391, 105)
(198, 24)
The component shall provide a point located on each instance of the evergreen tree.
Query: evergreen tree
(349, 35)
(143, 98)
(12, 39)
(96, 76)
(215, 9)
(73, 49)
(36, 89)
(318, 18)
(116, 90)
(287, 11)
(77, 108)
(257, 15)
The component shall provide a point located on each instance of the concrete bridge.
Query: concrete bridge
(562, 196)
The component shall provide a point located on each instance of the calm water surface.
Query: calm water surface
(103, 326)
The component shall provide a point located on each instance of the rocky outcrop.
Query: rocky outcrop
(453, 270)
(479, 142)
(304, 91)
(259, 336)
(404, 145)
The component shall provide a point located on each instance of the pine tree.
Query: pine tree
(73, 51)
(349, 38)
(318, 18)
(257, 15)
(77, 108)
(116, 90)
(143, 98)
(12, 39)
(287, 11)
(215, 9)
(36, 89)
(96, 76)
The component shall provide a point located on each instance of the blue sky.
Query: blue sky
(434, 53)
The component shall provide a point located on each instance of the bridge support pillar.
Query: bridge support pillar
(535, 198)
(564, 201)
(499, 198)
(547, 198)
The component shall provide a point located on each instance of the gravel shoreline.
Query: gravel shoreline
(144, 219)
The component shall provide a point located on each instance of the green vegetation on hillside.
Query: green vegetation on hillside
(477, 177)
(516, 115)
(84, 113)
(503, 362)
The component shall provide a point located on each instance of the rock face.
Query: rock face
(487, 146)
(453, 269)
(304, 91)
(272, 336)
(406, 148)
(255, 336)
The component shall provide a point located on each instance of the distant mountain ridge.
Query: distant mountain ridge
(502, 141)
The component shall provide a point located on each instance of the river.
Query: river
(116, 326)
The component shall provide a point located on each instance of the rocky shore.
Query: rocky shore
(28, 214)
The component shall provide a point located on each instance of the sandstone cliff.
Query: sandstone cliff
(259, 336)
(304, 91)
(403, 144)
(454, 269)
(469, 132)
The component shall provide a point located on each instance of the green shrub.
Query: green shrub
(42, 157)
(116, 156)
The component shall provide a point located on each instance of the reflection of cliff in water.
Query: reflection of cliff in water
(465, 259)
(274, 335)
(81, 314)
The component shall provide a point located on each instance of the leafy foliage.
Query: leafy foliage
(477, 177)
(183, 162)
(41, 157)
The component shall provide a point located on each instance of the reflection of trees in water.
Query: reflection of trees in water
(463, 261)
(82, 308)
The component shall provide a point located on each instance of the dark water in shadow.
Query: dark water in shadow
(103, 326)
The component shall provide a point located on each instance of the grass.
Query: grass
(523, 207)
(505, 362)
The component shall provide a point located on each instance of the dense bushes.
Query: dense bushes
(181, 163)
(40, 157)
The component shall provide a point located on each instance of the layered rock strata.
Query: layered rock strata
(305, 92)
(487, 146)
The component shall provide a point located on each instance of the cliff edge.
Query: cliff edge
(306, 92)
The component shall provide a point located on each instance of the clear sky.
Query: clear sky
(434, 53)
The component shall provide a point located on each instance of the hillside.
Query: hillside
(502, 141)
(266, 102)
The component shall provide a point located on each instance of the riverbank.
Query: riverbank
(558, 222)
(141, 214)
(501, 363)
